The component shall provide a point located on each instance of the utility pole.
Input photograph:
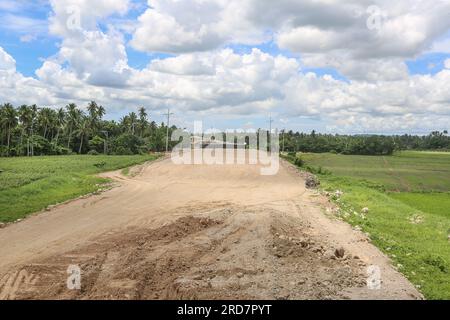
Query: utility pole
(284, 133)
(271, 121)
(168, 127)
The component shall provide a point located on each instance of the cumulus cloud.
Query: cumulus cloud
(341, 31)
(447, 63)
(72, 16)
(7, 63)
(204, 78)
(188, 26)
(96, 57)
(401, 28)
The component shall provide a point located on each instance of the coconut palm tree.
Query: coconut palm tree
(143, 120)
(73, 116)
(45, 120)
(83, 131)
(133, 122)
(92, 109)
(34, 112)
(101, 112)
(9, 122)
(60, 122)
(25, 119)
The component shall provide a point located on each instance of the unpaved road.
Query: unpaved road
(195, 232)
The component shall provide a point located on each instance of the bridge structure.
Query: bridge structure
(201, 142)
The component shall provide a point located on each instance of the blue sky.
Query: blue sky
(358, 81)
(29, 55)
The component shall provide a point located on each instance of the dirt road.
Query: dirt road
(195, 232)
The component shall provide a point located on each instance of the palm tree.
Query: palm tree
(83, 132)
(34, 112)
(45, 120)
(101, 112)
(60, 121)
(9, 121)
(25, 119)
(73, 115)
(125, 123)
(92, 109)
(143, 120)
(133, 121)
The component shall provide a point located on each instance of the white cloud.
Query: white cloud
(205, 80)
(67, 13)
(447, 63)
(7, 63)
(96, 57)
(336, 30)
(225, 84)
(188, 26)
(184, 65)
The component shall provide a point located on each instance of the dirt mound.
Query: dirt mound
(247, 255)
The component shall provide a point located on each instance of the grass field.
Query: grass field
(405, 171)
(29, 185)
(411, 226)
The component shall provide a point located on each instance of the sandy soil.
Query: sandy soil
(196, 232)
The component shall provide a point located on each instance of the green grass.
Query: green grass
(405, 171)
(433, 203)
(29, 185)
(411, 227)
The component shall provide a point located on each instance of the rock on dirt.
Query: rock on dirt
(340, 253)
(330, 254)
(338, 194)
(312, 182)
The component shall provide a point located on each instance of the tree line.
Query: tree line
(30, 130)
(362, 144)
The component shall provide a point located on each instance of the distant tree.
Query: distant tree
(143, 121)
(9, 122)
(60, 122)
(73, 117)
(133, 122)
(25, 120)
(83, 132)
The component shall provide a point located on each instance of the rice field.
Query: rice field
(408, 196)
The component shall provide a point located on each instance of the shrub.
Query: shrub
(98, 144)
(299, 162)
(93, 153)
(127, 144)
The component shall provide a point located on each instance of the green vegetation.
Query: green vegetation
(404, 171)
(33, 131)
(30, 130)
(434, 203)
(31, 184)
(411, 227)
(361, 144)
